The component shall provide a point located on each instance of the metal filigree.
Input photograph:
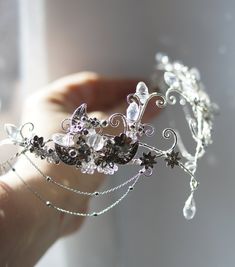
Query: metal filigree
(87, 145)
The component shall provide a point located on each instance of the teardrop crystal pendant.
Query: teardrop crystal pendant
(132, 112)
(189, 209)
(142, 92)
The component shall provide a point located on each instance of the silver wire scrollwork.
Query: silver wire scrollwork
(86, 145)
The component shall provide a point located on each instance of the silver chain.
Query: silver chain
(76, 191)
(49, 204)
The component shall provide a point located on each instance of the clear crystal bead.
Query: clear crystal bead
(13, 132)
(162, 58)
(177, 65)
(142, 92)
(63, 139)
(132, 112)
(95, 141)
(132, 135)
(91, 131)
(100, 169)
(115, 167)
(189, 209)
(78, 113)
(171, 79)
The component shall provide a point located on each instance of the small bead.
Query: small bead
(95, 214)
(50, 150)
(48, 203)
(13, 169)
(48, 178)
(96, 193)
(131, 188)
(132, 126)
(73, 153)
(104, 123)
(85, 132)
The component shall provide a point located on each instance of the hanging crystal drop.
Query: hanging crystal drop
(189, 209)
(171, 79)
(132, 112)
(142, 92)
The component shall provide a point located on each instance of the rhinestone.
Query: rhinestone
(171, 79)
(162, 58)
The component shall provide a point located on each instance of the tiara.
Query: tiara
(86, 145)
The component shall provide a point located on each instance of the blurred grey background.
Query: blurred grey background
(9, 50)
(121, 38)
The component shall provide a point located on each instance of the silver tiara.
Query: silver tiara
(87, 146)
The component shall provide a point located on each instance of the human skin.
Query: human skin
(27, 226)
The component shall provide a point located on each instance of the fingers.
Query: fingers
(100, 93)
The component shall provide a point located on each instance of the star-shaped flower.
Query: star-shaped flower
(148, 160)
(172, 159)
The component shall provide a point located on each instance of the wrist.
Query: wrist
(30, 227)
(56, 196)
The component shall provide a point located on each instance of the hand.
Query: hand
(49, 107)
(31, 227)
